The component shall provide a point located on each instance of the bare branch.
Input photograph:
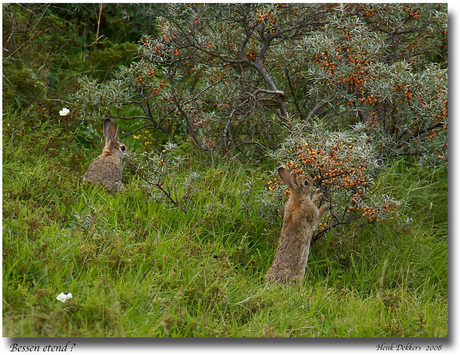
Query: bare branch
(316, 109)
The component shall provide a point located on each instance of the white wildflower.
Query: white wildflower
(64, 296)
(64, 112)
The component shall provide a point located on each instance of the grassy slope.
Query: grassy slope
(136, 268)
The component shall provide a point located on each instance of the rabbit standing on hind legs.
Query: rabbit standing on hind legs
(107, 168)
(301, 217)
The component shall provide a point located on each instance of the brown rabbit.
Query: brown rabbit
(300, 219)
(107, 168)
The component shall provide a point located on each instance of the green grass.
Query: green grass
(138, 268)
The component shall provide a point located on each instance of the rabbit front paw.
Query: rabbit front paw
(318, 194)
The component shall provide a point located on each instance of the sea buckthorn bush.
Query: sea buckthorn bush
(208, 75)
(335, 90)
(385, 79)
(343, 165)
(228, 77)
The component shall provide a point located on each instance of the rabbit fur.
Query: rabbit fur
(301, 217)
(107, 168)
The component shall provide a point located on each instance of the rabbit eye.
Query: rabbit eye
(123, 148)
(306, 183)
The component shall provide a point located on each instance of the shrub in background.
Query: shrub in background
(228, 77)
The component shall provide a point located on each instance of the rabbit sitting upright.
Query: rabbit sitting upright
(301, 217)
(107, 168)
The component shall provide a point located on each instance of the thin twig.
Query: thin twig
(97, 38)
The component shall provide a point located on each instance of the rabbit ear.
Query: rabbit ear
(105, 126)
(294, 183)
(110, 130)
(289, 180)
(285, 177)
